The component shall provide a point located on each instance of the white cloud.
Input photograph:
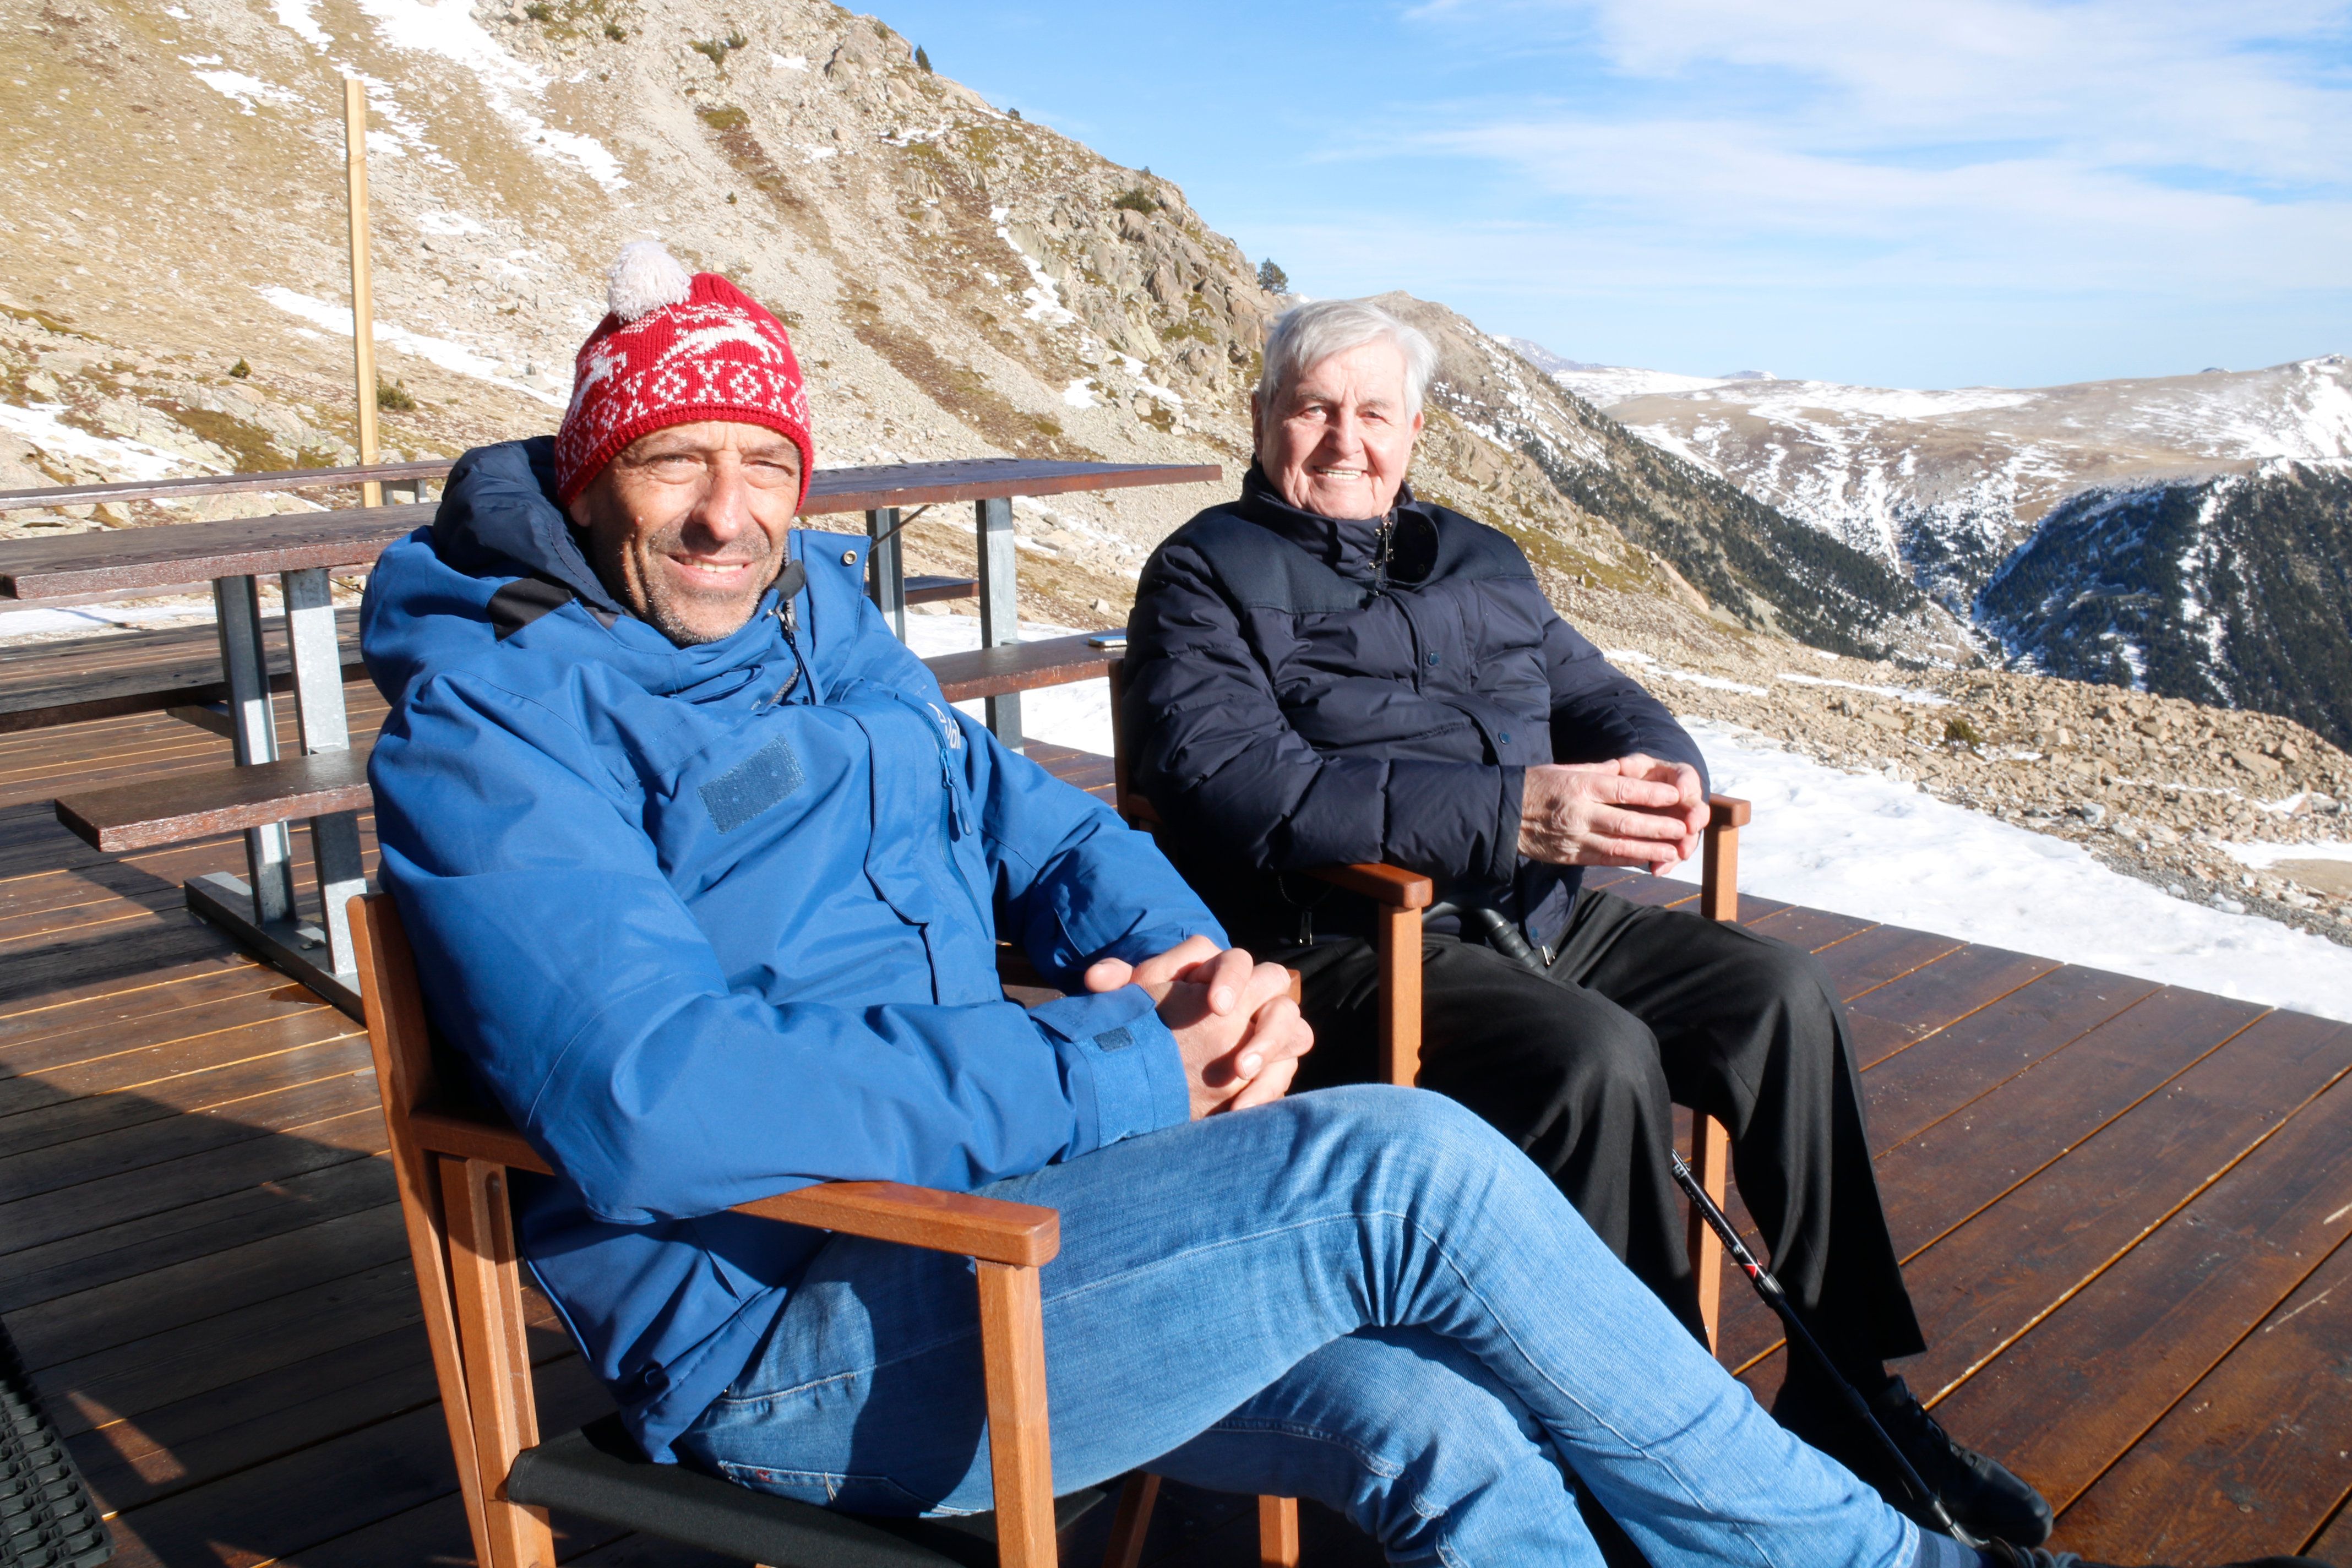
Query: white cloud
(2103, 145)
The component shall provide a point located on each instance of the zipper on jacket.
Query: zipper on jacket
(952, 742)
(784, 612)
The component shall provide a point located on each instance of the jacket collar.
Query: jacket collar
(1348, 546)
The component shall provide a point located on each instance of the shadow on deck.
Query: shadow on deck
(2122, 1204)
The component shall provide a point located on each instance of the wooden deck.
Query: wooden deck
(2123, 1206)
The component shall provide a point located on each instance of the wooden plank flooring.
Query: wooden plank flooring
(2123, 1208)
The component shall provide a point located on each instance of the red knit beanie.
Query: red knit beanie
(676, 349)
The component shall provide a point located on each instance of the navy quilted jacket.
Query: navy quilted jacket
(1305, 690)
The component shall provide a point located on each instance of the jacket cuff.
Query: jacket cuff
(1125, 1075)
(1506, 825)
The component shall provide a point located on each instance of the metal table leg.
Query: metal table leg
(318, 955)
(886, 572)
(1000, 617)
(253, 737)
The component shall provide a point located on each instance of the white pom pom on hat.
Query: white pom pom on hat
(644, 277)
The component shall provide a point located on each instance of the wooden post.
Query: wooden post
(362, 288)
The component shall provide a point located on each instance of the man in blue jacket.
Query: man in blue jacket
(705, 879)
(1330, 670)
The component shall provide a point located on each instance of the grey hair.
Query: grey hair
(1306, 335)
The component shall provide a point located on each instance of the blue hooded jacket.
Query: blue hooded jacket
(715, 922)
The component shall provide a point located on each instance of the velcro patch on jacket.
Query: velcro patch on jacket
(753, 784)
(1113, 1040)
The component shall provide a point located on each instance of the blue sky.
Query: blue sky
(1913, 192)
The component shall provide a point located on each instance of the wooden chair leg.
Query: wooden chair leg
(483, 1277)
(1399, 944)
(1133, 1520)
(1711, 1163)
(1277, 1532)
(1019, 1448)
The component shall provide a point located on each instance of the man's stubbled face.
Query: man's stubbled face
(687, 526)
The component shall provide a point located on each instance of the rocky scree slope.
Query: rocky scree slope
(959, 281)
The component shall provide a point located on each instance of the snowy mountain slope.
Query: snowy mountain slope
(1945, 484)
(1604, 385)
(1755, 566)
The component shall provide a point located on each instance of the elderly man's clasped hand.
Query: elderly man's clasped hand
(1634, 811)
(1234, 1022)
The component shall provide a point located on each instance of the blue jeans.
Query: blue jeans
(1363, 1296)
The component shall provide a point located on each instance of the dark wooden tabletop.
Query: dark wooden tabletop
(115, 560)
(222, 484)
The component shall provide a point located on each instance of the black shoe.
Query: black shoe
(1982, 1496)
(2010, 1556)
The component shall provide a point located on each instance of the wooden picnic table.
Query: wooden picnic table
(301, 548)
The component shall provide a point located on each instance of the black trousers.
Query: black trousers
(1582, 1066)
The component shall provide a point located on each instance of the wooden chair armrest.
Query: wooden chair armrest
(1727, 810)
(1021, 1235)
(1392, 885)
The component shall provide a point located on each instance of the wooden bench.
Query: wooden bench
(178, 671)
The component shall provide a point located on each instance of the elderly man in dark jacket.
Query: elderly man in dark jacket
(1329, 669)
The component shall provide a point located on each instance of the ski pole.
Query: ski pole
(1777, 1300)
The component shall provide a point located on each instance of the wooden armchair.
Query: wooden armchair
(450, 1161)
(1400, 896)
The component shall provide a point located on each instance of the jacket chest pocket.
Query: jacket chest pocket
(923, 858)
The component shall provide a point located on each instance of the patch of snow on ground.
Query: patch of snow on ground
(126, 459)
(449, 356)
(1689, 677)
(447, 28)
(296, 16)
(1863, 845)
(787, 62)
(1080, 392)
(76, 620)
(1903, 693)
(244, 90)
(1044, 295)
